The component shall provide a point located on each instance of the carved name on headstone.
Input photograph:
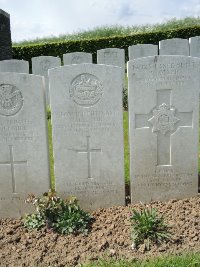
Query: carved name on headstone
(24, 161)
(86, 105)
(163, 115)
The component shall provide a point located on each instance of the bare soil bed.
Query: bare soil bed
(109, 237)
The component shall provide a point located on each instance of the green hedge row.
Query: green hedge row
(59, 48)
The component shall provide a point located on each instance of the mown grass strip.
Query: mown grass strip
(185, 260)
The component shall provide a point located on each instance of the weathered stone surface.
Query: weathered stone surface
(112, 56)
(5, 36)
(14, 65)
(86, 104)
(174, 46)
(41, 65)
(142, 50)
(195, 52)
(194, 46)
(24, 165)
(163, 115)
(77, 58)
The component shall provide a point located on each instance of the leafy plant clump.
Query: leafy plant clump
(63, 216)
(148, 227)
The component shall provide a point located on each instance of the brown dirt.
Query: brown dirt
(109, 237)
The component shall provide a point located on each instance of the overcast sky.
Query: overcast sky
(41, 18)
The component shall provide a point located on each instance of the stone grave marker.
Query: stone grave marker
(142, 50)
(41, 65)
(5, 36)
(164, 119)
(87, 127)
(77, 58)
(195, 52)
(24, 164)
(14, 65)
(194, 46)
(112, 56)
(174, 46)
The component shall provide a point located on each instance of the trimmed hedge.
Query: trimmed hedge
(91, 46)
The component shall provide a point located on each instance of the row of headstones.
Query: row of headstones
(115, 56)
(108, 56)
(87, 125)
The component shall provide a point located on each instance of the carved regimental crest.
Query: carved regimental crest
(86, 90)
(163, 119)
(11, 100)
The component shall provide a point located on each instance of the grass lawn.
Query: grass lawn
(126, 149)
(187, 260)
(51, 155)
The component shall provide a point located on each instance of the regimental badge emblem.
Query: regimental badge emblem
(11, 100)
(163, 119)
(86, 90)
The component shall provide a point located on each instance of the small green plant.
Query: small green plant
(63, 216)
(34, 221)
(148, 227)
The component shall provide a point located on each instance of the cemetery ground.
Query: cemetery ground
(109, 237)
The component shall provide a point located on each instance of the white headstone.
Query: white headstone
(24, 164)
(194, 46)
(14, 65)
(87, 125)
(77, 58)
(164, 123)
(142, 50)
(112, 56)
(195, 52)
(41, 65)
(174, 46)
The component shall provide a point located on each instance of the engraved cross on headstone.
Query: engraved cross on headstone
(88, 151)
(12, 164)
(164, 123)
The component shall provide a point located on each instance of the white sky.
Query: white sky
(41, 18)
